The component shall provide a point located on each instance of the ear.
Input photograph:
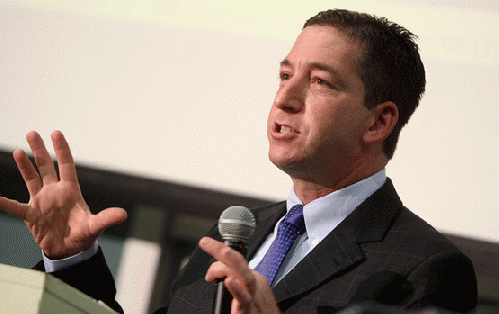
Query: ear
(384, 118)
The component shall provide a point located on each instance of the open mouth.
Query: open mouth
(283, 129)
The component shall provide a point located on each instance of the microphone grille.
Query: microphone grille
(236, 223)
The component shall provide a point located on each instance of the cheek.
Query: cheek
(334, 127)
(325, 120)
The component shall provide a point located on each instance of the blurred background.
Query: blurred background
(164, 104)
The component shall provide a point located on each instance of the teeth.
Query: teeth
(285, 129)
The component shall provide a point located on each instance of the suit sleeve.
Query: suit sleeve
(446, 280)
(91, 277)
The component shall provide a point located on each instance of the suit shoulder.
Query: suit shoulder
(414, 232)
(444, 275)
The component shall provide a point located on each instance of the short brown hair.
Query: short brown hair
(390, 66)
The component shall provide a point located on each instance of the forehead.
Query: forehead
(328, 45)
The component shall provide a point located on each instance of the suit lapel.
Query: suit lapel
(340, 249)
(336, 252)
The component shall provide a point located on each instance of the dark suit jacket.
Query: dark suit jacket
(381, 252)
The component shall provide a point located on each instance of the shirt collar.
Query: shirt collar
(325, 213)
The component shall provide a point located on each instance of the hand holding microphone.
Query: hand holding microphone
(249, 289)
(236, 225)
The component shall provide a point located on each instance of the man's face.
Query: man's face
(318, 116)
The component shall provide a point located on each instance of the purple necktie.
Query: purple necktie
(288, 230)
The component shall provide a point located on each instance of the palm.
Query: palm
(59, 220)
(57, 215)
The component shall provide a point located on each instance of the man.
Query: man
(348, 85)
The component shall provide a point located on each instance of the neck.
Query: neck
(324, 183)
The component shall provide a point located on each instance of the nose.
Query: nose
(290, 96)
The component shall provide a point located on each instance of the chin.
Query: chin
(286, 164)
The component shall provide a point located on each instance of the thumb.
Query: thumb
(108, 217)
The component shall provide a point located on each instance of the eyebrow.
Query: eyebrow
(324, 67)
(285, 62)
(314, 65)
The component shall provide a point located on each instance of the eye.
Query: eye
(283, 76)
(324, 83)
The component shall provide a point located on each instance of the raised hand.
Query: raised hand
(57, 215)
(250, 290)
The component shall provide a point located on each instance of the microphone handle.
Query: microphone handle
(223, 298)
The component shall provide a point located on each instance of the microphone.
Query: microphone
(236, 225)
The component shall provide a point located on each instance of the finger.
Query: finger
(65, 160)
(106, 218)
(222, 252)
(260, 299)
(233, 260)
(28, 172)
(240, 293)
(43, 160)
(217, 270)
(13, 208)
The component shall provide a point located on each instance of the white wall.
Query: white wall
(180, 90)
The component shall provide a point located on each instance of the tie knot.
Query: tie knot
(295, 217)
